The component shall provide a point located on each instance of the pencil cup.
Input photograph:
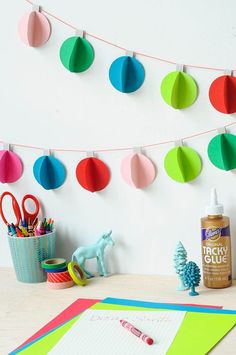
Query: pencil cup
(27, 254)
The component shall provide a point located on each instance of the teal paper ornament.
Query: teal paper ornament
(126, 74)
(49, 172)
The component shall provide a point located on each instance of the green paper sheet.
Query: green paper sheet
(179, 90)
(45, 344)
(198, 334)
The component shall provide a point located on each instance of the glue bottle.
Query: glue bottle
(216, 246)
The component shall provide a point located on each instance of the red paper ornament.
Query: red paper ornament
(92, 174)
(222, 94)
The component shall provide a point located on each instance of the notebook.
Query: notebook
(100, 332)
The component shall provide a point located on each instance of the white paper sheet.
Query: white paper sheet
(100, 333)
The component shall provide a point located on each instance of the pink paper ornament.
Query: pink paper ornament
(11, 167)
(34, 28)
(137, 170)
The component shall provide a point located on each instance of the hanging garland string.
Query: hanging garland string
(121, 148)
(123, 48)
(127, 74)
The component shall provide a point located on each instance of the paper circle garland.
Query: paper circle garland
(179, 90)
(34, 29)
(222, 151)
(11, 167)
(182, 164)
(49, 172)
(92, 174)
(76, 54)
(126, 74)
(137, 170)
(222, 94)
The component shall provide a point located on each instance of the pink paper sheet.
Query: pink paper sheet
(73, 310)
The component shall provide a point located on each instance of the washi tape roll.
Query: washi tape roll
(55, 263)
(60, 285)
(77, 274)
(55, 270)
(59, 277)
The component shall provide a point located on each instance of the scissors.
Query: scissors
(28, 217)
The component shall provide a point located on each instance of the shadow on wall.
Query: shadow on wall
(232, 213)
(111, 256)
(65, 244)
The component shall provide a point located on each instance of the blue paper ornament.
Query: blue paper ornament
(49, 172)
(126, 74)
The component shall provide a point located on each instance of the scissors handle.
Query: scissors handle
(15, 206)
(30, 217)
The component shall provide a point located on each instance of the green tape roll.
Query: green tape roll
(77, 273)
(55, 263)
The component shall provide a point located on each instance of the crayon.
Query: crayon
(30, 230)
(40, 228)
(19, 233)
(24, 231)
(136, 332)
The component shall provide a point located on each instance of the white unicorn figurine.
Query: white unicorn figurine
(94, 251)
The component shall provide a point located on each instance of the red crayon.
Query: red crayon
(136, 332)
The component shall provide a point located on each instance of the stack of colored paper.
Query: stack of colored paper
(196, 331)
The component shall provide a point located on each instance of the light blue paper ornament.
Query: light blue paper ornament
(49, 172)
(126, 74)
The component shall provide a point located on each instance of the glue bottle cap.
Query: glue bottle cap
(214, 208)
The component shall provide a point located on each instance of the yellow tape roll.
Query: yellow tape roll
(77, 274)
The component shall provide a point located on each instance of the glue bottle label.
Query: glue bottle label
(216, 257)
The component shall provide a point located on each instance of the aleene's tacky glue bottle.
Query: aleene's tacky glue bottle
(216, 246)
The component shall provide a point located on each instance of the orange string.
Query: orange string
(125, 49)
(141, 54)
(123, 148)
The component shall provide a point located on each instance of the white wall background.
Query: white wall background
(43, 104)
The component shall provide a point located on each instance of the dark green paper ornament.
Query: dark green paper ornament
(76, 54)
(222, 151)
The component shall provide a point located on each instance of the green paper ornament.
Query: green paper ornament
(183, 164)
(179, 90)
(76, 54)
(222, 151)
